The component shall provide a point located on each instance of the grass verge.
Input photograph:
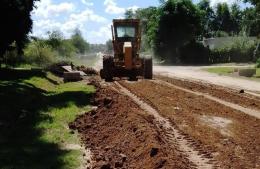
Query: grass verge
(229, 70)
(35, 109)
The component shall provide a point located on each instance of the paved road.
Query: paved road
(195, 73)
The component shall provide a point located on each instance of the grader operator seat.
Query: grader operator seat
(126, 62)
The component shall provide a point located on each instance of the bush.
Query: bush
(258, 63)
(194, 53)
(40, 54)
(221, 34)
(66, 49)
(241, 51)
(11, 58)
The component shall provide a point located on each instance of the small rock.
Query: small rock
(242, 91)
(105, 166)
(161, 163)
(95, 117)
(98, 158)
(154, 152)
(88, 126)
(92, 113)
(72, 126)
(107, 100)
(118, 164)
(107, 148)
(134, 129)
(123, 156)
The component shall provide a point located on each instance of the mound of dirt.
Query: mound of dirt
(121, 135)
(87, 70)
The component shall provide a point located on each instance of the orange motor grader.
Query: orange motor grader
(126, 61)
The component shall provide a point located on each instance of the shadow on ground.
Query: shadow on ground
(21, 107)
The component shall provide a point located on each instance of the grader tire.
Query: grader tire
(108, 68)
(101, 73)
(148, 68)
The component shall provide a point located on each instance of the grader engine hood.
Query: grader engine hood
(127, 50)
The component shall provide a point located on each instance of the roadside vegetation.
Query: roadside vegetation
(228, 71)
(258, 63)
(180, 32)
(35, 110)
(42, 52)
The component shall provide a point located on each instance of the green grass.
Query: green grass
(221, 70)
(35, 109)
(230, 70)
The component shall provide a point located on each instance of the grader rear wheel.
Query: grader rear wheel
(108, 68)
(148, 68)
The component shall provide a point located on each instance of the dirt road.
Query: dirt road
(195, 73)
(171, 123)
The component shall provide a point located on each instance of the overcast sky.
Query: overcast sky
(92, 17)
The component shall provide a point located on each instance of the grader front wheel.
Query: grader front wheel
(148, 68)
(108, 68)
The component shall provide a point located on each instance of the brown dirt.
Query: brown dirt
(232, 136)
(121, 135)
(233, 96)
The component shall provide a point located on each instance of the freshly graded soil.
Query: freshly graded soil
(231, 95)
(231, 136)
(147, 124)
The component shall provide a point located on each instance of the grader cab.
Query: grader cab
(126, 62)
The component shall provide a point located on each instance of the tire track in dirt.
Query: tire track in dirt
(245, 110)
(246, 99)
(173, 135)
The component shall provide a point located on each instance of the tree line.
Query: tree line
(174, 29)
(18, 47)
(45, 51)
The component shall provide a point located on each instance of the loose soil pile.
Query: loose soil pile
(121, 135)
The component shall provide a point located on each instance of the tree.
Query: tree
(149, 21)
(207, 17)
(256, 3)
(236, 18)
(78, 41)
(129, 14)
(16, 23)
(55, 39)
(250, 22)
(179, 23)
(252, 17)
(222, 21)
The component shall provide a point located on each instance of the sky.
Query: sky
(92, 17)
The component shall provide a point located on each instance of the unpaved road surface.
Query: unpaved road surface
(195, 73)
(171, 123)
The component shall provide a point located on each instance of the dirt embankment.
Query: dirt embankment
(229, 95)
(232, 136)
(121, 135)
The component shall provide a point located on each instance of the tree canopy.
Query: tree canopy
(16, 23)
(179, 23)
(78, 41)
